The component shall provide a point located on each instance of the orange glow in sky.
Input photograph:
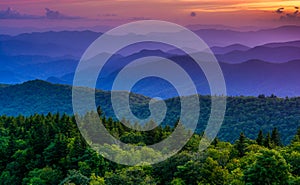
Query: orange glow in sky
(185, 12)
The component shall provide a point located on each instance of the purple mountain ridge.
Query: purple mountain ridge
(253, 62)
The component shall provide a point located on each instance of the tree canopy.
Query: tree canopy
(49, 149)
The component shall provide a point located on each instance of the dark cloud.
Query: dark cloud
(193, 14)
(279, 10)
(288, 15)
(9, 13)
(52, 14)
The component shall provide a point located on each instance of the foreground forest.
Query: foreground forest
(49, 149)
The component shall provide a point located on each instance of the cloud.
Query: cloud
(52, 14)
(279, 10)
(9, 13)
(288, 15)
(193, 14)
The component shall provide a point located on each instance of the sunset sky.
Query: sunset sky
(90, 13)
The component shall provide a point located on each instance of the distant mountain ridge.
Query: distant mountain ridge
(234, 47)
(75, 42)
(215, 37)
(53, 56)
(53, 44)
(250, 77)
(278, 54)
(280, 44)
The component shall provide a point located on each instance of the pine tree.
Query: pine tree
(267, 141)
(260, 138)
(275, 137)
(153, 134)
(215, 142)
(241, 144)
(99, 111)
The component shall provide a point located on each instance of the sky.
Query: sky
(87, 14)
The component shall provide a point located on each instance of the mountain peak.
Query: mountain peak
(38, 84)
(36, 81)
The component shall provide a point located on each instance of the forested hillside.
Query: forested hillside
(48, 149)
(243, 114)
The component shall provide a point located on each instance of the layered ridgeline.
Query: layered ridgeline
(243, 114)
(253, 63)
